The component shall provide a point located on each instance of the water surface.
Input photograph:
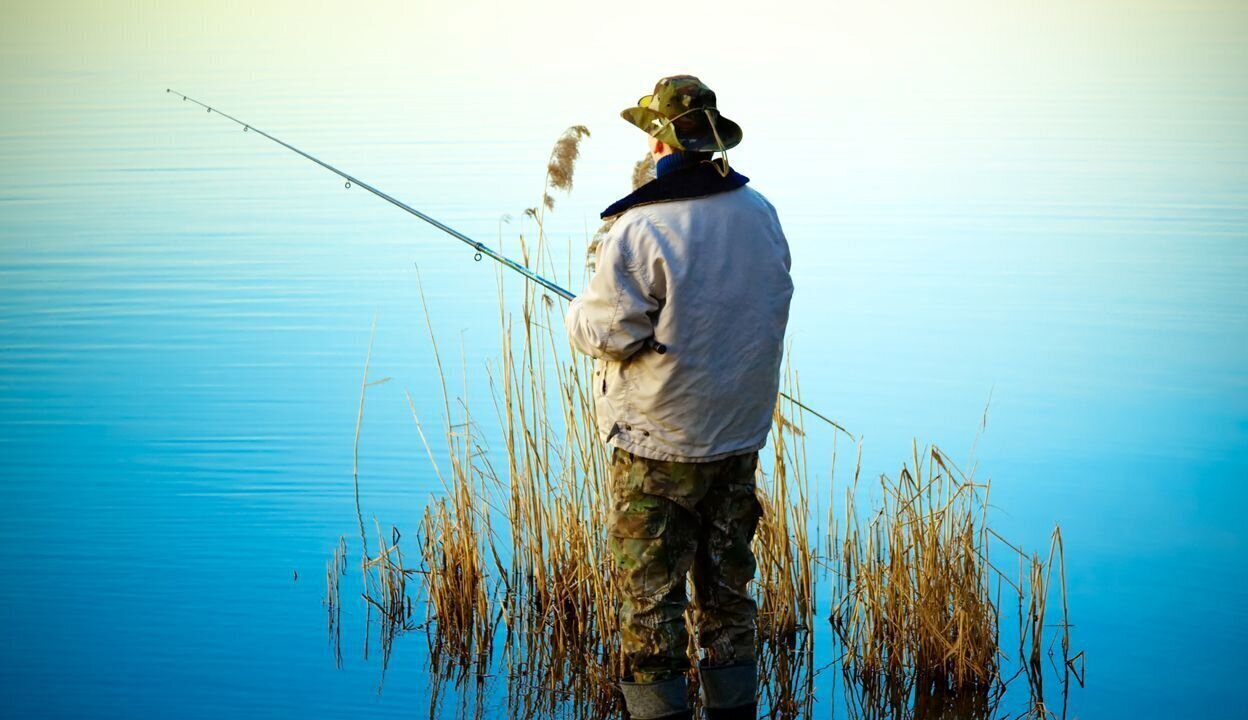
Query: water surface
(186, 310)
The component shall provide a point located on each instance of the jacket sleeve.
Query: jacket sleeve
(612, 318)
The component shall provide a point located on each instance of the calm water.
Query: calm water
(186, 309)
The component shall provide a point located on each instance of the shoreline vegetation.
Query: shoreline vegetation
(512, 572)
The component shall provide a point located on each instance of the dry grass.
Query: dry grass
(915, 610)
(1035, 641)
(455, 534)
(785, 584)
(560, 609)
(915, 601)
(456, 591)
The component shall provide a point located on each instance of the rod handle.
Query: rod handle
(656, 346)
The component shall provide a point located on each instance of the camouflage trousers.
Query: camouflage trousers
(669, 520)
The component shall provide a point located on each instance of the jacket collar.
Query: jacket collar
(677, 161)
(685, 181)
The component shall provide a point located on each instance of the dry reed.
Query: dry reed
(563, 157)
(1035, 642)
(917, 601)
(455, 532)
(560, 609)
(785, 579)
(914, 608)
(912, 604)
(386, 592)
(335, 570)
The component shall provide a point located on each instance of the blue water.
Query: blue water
(186, 310)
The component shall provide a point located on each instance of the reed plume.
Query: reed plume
(559, 169)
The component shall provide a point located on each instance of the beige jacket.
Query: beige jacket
(709, 278)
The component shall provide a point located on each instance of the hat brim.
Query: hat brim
(655, 124)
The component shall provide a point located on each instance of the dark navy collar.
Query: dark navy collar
(678, 161)
(679, 178)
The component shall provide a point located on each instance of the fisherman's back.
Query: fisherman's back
(718, 269)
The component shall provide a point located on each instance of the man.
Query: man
(685, 315)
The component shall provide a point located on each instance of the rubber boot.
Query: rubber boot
(662, 700)
(729, 691)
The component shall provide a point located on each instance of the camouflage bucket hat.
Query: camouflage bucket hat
(681, 112)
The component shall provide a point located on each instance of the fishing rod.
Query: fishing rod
(480, 249)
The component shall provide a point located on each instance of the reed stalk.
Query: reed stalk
(335, 570)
